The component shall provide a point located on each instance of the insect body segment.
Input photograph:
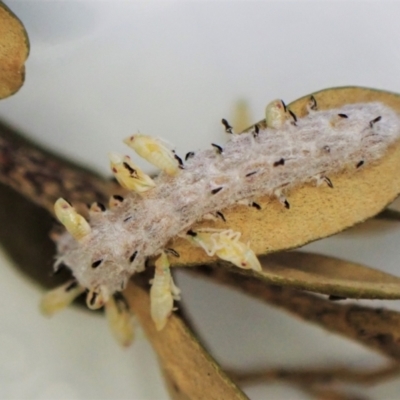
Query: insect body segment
(120, 320)
(163, 292)
(155, 152)
(276, 114)
(225, 244)
(129, 175)
(97, 297)
(75, 224)
(61, 297)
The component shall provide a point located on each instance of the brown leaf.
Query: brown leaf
(191, 371)
(315, 213)
(14, 50)
(327, 275)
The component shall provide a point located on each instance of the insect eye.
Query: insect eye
(95, 264)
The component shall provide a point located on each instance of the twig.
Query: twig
(388, 215)
(43, 177)
(316, 375)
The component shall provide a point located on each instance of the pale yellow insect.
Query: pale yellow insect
(276, 114)
(59, 298)
(129, 175)
(97, 298)
(155, 152)
(75, 224)
(163, 292)
(120, 320)
(225, 244)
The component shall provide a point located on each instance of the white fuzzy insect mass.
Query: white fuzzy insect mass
(319, 145)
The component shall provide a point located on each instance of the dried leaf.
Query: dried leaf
(327, 275)
(191, 371)
(14, 50)
(315, 213)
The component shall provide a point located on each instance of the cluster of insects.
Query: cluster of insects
(268, 160)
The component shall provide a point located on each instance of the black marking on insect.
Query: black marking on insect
(216, 190)
(255, 205)
(280, 162)
(71, 286)
(313, 103)
(343, 115)
(293, 115)
(360, 163)
(147, 263)
(189, 155)
(333, 297)
(93, 298)
(218, 148)
(286, 204)
(328, 181)
(228, 128)
(179, 161)
(256, 131)
(220, 215)
(132, 257)
(251, 173)
(371, 123)
(173, 252)
(127, 218)
(118, 198)
(101, 206)
(95, 264)
(284, 106)
(191, 233)
(132, 171)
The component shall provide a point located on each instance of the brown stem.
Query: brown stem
(320, 393)
(317, 375)
(44, 177)
(388, 215)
